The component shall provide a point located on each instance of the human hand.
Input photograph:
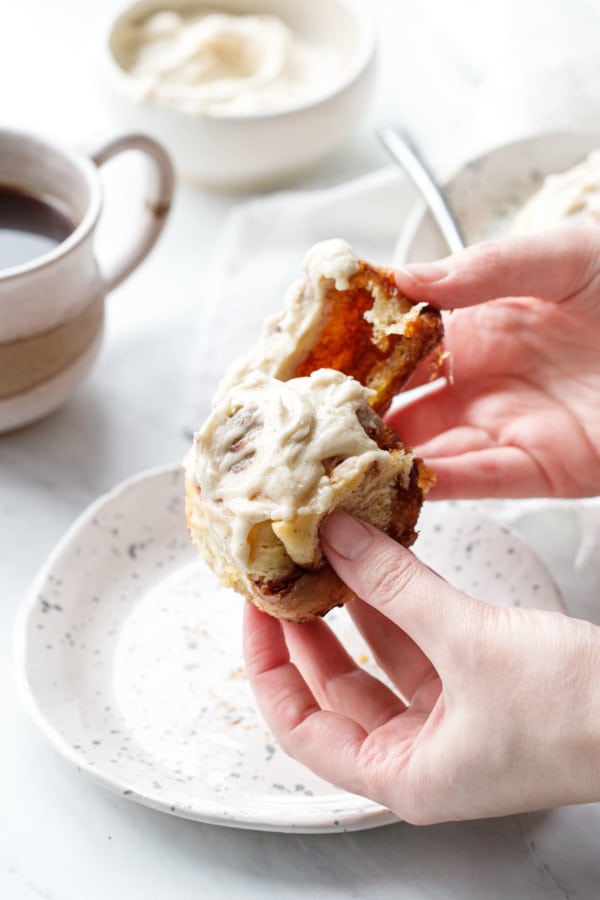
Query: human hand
(495, 710)
(520, 417)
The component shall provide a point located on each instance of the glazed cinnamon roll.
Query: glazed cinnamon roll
(295, 432)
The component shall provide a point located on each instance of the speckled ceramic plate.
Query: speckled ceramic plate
(130, 660)
(487, 192)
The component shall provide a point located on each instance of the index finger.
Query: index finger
(326, 742)
(560, 264)
(387, 576)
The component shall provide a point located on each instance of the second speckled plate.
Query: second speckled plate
(130, 660)
(487, 192)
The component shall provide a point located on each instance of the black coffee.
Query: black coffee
(30, 225)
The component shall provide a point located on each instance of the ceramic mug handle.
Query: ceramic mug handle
(159, 194)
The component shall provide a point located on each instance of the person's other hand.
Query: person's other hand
(521, 417)
(495, 710)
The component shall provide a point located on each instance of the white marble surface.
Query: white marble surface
(462, 76)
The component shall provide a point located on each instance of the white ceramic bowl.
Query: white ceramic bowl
(254, 149)
(487, 192)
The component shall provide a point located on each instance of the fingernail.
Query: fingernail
(426, 273)
(345, 535)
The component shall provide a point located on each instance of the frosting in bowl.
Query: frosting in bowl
(204, 62)
(570, 197)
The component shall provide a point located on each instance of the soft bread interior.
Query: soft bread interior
(373, 333)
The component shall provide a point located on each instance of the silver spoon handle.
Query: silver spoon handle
(401, 149)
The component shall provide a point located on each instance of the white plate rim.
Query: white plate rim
(357, 813)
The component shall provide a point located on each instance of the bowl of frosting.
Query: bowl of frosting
(242, 93)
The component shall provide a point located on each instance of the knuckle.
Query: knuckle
(487, 255)
(279, 709)
(373, 768)
(585, 251)
(287, 743)
(390, 575)
(491, 472)
(290, 734)
(589, 277)
(374, 755)
(471, 643)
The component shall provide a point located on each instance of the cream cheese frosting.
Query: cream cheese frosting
(279, 452)
(288, 335)
(570, 197)
(286, 453)
(205, 62)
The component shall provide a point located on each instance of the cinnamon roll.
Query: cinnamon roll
(296, 432)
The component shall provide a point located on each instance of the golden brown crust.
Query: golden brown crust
(347, 341)
(383, 361)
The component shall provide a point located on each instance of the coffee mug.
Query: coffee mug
(52, 305)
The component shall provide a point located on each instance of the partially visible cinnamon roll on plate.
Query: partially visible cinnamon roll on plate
(295, 432)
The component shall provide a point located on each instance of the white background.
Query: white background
(462, 76)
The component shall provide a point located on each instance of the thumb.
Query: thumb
(558, 264)
(390, 578)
